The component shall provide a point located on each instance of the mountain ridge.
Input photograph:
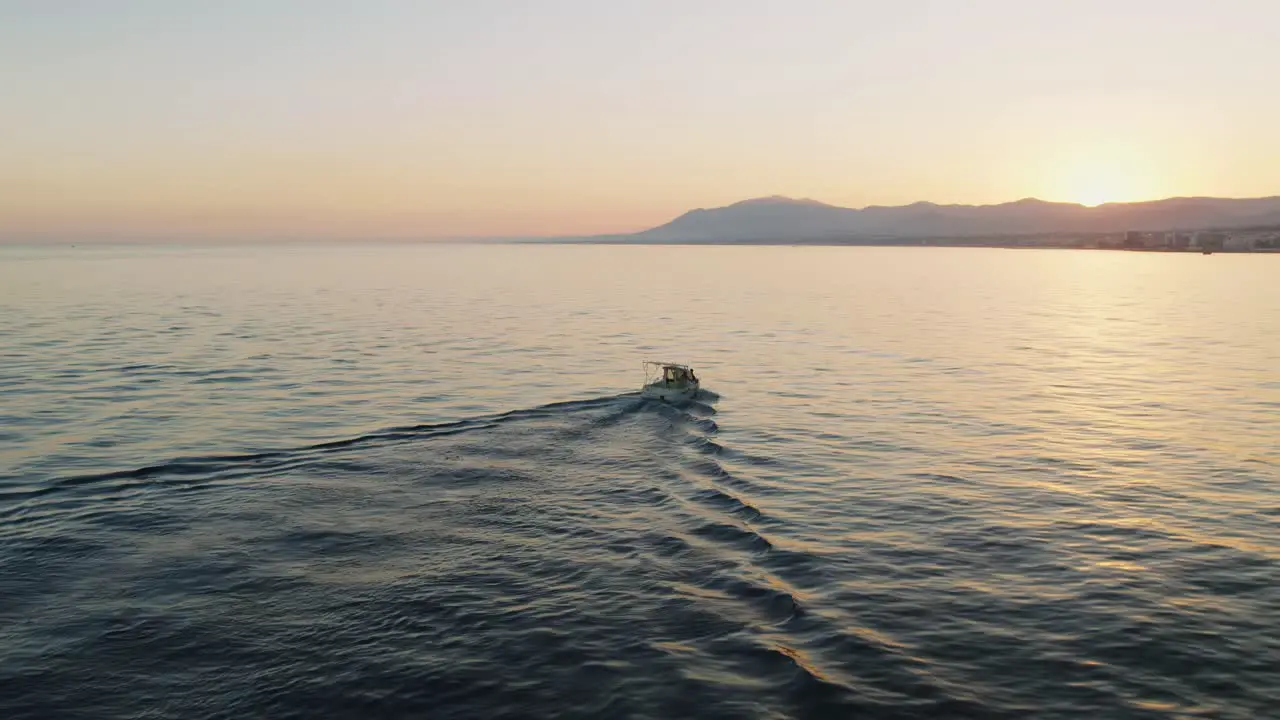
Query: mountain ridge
(776, 217)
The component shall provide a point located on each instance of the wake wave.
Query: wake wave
(195, 469)
(487, 538)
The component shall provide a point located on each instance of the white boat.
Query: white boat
(670, 382)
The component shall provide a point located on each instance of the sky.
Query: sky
(371, 118)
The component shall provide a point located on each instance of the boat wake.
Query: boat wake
(266, 460)
(488, 555)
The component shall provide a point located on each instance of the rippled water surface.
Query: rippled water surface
(417, 481)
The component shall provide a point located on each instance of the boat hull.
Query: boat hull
(667, 392)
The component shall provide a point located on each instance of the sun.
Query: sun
(1104, 186)
(1092, 199)
(1105, 173)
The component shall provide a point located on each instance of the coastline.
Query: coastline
(903, 243)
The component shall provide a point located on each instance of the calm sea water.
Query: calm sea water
(396, 481)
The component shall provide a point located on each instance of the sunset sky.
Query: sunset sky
(275, 118)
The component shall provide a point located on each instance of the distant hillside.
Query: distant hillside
(785, 218)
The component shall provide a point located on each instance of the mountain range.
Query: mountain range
(782, 218)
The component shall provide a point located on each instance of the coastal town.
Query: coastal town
(1252, 240)
(1199, 241)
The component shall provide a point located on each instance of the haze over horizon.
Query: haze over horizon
(398, 119)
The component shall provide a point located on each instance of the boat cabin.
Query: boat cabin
(669, 381)
(678, 374)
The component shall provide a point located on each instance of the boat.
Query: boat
(669, 382)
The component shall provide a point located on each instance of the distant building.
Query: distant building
(1206, 240)
(1177, 240)
(1133, 239)
(1238, 242)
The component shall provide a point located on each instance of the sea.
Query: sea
(418, 481)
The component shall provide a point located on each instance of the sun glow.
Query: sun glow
(1106, 183)
(1093, 199)
(1093, 189)
(1103, 170)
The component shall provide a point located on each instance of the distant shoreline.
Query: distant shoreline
(1026, 243)
(949, 243)
(954, 244)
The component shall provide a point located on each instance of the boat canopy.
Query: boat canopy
(670, 372)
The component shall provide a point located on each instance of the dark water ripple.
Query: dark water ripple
(269, 484)
(406, 571)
